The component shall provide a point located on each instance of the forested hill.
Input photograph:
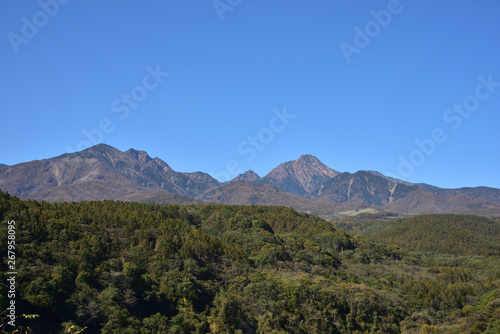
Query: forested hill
(457, 234)
(121, 267)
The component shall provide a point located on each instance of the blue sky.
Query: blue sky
(407, 88)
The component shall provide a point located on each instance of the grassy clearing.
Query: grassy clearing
(358, 211)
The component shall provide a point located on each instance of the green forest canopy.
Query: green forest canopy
(457, 234)
(121, 267)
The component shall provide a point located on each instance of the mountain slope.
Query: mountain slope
(100, 172)
(423, 201)
(361, 188)
(490, 194)
(156, 174)
(458, 234)
(388, 178)
(300, 176)
(246, 193)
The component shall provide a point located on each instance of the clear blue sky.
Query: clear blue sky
(358, 101)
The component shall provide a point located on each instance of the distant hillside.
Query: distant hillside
(490, 194)
(100, 172)
(361, 188)
(367, 223)
(422, 201)
(448, 233)
(158, 197)
(246, 193)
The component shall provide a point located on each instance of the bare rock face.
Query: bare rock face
(361, 188)
(300, 176)
(249, 176)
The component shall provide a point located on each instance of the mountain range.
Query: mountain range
(104, 172)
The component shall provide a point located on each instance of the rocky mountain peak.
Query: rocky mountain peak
(141, 156)
(249, 176)
(101, 148)
(300, 176)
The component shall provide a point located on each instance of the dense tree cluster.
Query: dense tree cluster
(121, 267)
(457, 234)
